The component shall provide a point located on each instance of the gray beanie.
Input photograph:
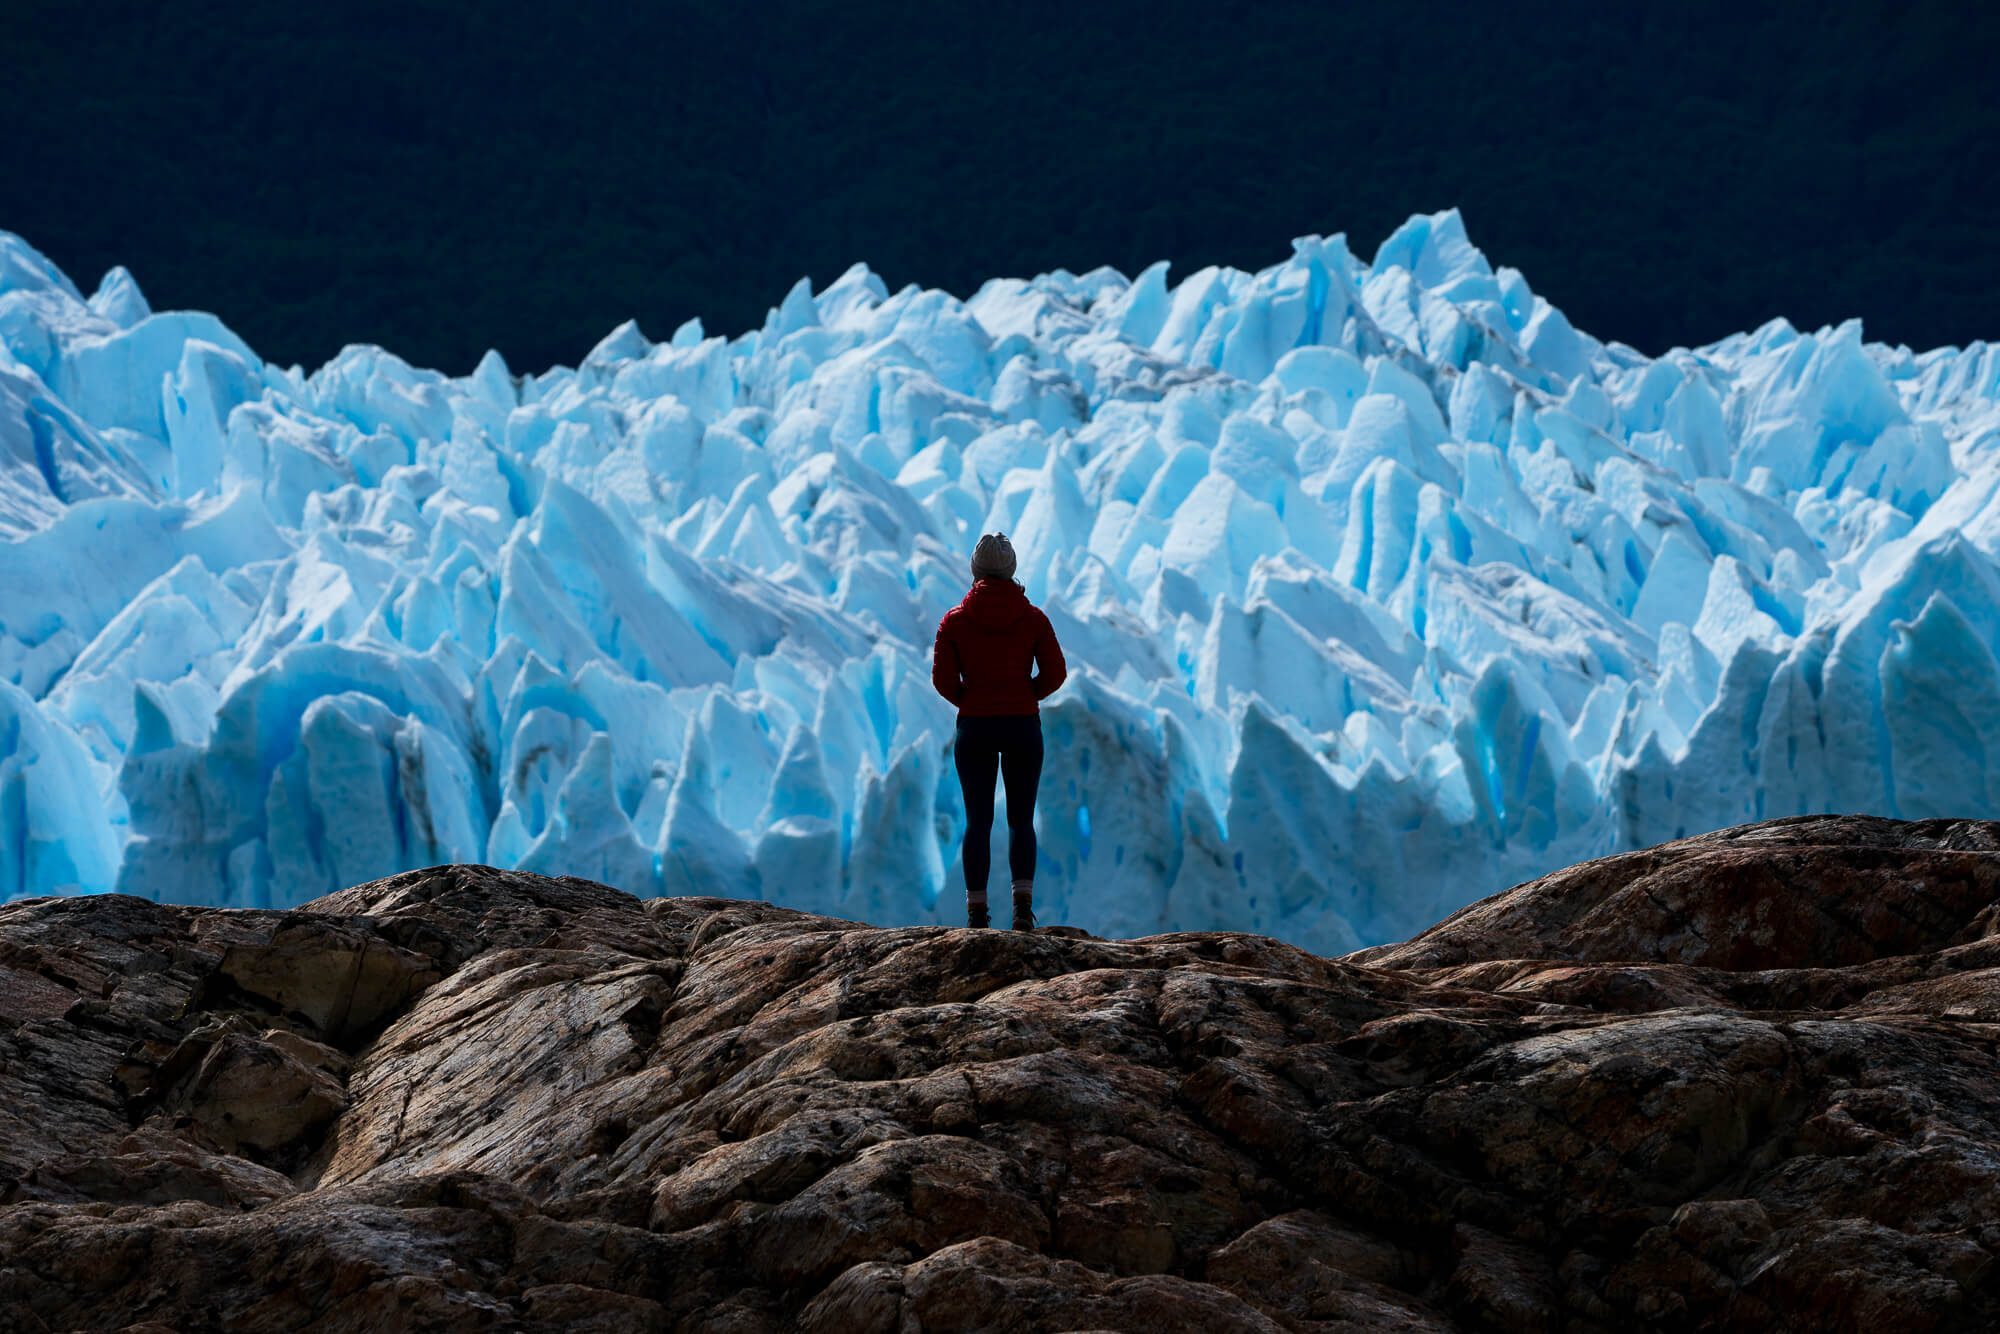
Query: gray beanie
(993, 558)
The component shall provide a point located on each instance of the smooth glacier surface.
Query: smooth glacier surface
(1382, 587)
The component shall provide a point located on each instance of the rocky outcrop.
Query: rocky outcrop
(1812, 892)
(1746, 1080)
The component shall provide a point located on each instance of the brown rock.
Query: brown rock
(1746, 1080)
(343, 980)
(1815, 891)
(1501, 1284)
(255, 1096)
(1315, 1270)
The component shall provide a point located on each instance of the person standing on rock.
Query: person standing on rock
(986, 647)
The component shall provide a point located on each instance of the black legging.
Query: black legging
(1013, 746)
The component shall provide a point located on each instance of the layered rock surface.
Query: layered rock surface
(1745, 1080)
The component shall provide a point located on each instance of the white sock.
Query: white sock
(1024, 887)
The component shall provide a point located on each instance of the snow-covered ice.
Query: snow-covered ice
(1382, 586)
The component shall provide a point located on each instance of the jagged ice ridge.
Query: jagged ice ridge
(1382, 585)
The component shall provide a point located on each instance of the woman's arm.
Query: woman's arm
(945, 678)
(1051, 670)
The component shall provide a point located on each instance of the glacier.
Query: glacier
(1382, 586)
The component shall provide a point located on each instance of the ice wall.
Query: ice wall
(1382, 586)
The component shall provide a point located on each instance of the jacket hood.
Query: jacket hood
(996, 604)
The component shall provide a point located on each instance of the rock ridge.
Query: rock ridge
(1743, 1080)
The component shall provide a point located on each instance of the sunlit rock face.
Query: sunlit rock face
(1380, 584)
(1744, 1081)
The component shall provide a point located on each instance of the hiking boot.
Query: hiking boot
(1024, 910)
(975, 911)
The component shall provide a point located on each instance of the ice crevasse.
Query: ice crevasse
(1382, 585)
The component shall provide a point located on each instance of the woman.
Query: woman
(980, 662)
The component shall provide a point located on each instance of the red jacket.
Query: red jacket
(984, 648)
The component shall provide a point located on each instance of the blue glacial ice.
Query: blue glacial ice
(1383, 586)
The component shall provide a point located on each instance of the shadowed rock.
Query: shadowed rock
(1746, 1080)
(1814, 891)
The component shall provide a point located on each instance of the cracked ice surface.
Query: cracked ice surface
(1382, 587)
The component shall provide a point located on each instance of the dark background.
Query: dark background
(441, 178)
